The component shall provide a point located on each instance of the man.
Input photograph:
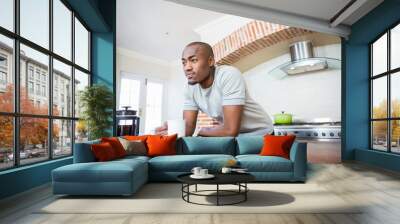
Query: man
(221, 93)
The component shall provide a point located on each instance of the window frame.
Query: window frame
(388, 74)
(15, 72)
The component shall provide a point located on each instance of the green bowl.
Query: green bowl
(282, 118)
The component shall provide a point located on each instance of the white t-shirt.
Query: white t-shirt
(228, 88)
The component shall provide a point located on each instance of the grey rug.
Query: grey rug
(166, 198)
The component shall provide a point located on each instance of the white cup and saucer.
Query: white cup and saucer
(200, 173)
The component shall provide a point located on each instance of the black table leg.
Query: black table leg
(245, 193)
(217, 194)
(188, 190)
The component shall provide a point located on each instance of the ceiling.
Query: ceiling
(319, 9)
(315, 15)
(158, 28)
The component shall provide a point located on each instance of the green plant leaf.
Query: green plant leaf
(96, 102)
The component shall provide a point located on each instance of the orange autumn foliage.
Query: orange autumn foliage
(33, 130)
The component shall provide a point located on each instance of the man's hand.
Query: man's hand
(162, 130)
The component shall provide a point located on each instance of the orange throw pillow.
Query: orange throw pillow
(103, 152)
(277, 145)
(160, 145)
(116, 145)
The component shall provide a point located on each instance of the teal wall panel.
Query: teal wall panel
(104, 53)
(356, 85)
(102, 59)
(24, 178)
(377, 158)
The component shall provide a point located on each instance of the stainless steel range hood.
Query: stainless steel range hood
(303, 60)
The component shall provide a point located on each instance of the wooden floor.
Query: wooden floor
(377, 188)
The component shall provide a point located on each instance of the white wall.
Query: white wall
(219, 29)
(134, 63)
(306, 96)
(176, 84)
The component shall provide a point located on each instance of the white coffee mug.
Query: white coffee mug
(196, 170)
(203, 172)
(226, 170)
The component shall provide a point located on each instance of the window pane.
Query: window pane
(379, 135)
(34, 97)
(35, 21)
(81, 45)
(6, 142)
(81, 131)
(130, 93)
(153, 106)
(62, 138)
(395, 94)
(379, 97)
(6, 74)
(62, 29)
(395, 47)
(62, 89)
(33, 139)
(395, 136)
(7, 14)
(81, 81)
(379, 56)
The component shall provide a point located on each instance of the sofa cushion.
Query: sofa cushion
(185, 163)
(130, 158)
(257, 163)
(83, 152)
(111, 171)
(206, 145)
(249, 144)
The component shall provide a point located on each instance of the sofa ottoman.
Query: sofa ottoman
(119, 177)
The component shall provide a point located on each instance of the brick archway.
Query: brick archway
(252, 37)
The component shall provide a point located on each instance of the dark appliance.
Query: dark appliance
(127, 122)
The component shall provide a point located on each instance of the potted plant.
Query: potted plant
(96, 103)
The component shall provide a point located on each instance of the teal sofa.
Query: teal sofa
(125, 176)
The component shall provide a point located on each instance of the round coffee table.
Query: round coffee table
(238, 179)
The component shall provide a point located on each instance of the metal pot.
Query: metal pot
(282, 118)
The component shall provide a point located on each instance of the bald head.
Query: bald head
(206, 48)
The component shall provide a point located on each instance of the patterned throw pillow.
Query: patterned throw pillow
(135, 147)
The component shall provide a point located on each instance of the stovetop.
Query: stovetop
(335, 123)
(314, 130)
